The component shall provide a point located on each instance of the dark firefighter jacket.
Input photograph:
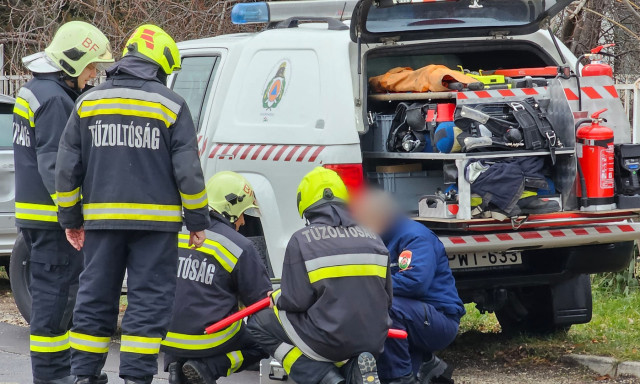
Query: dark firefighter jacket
(420, 267)
(42, 108)
(336, 288)
(211, 279)
(129, 153)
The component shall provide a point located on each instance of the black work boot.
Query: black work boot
(197, 373)
(137, 380)
(435, 370)
(364, 370)
(332, 377)
(102, 379)
(535, 205)
(407, 379)
(62, 380)
(175, 373)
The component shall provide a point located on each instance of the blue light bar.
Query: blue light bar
(250, 13)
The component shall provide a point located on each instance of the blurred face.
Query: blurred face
(89, 73)
(372, 210)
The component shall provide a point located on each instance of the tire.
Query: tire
(20, 273)
(529, 311)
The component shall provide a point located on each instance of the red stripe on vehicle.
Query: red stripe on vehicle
(612, 90)
(257, 152)
(204, 147)
(304, 153)
(480, 239)
(268, 153)
(603, 229)
(316, 153)
(293, 152)
(237, 150)
(214, 151)
(462, 96)
(626, 228)
(580, 231)
(571, 96)
(529, 91)
(557, 233)
(504, 236)
(199, 138)
(246, 152)
(531, 235)
(457, 240)
(591, 93)
(280, 152)
(483, 94)
(506, 92)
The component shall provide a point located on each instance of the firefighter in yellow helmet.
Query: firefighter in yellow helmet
(211, 281)
(126, 173)
(42, 108)
(335, 292)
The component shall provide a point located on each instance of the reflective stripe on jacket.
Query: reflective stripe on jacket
(41, 111)
(128, 157)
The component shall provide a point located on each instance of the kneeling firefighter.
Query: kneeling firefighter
(42, 108)
(335, 292)
(210, 281)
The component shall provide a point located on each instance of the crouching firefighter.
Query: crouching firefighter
(42, 108)
(210, 281)
(425, 303)
(335, 293)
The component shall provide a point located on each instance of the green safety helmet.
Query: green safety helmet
(77, 44)
(152, 43)
(231, 195)
(320, 186)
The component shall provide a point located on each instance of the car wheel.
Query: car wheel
(529, 311)
(20, 273)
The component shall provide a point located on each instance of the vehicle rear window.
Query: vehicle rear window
(6, 125)
(193, 83)
(454, 14)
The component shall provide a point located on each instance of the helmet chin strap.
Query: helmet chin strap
(73, 80)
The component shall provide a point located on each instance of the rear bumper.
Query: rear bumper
(8, 233)
(545, 238)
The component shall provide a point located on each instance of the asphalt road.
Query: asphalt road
(15, 365)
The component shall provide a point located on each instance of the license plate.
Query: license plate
(484, 259)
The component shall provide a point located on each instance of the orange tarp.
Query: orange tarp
(430, 78)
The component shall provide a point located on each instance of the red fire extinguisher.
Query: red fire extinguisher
(596, 67)
(595, 164)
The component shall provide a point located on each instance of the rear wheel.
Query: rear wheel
(20, 277)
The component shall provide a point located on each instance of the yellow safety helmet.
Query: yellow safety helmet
(231, 195)
(320, 186)
(152, 43)
(77, 44)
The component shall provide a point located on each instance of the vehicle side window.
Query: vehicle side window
(6, 125)
(193, 83)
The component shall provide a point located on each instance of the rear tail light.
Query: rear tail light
(351, 174)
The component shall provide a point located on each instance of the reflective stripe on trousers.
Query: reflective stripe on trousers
(88, 343)
(37, 212)
(200, 342)
(236, 359)
(140, 344)
(287, 354)
(46, 344)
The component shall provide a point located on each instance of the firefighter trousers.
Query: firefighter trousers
(55, 267)
(232, 357)
(267, 331)
(429, 330)
(150, 259)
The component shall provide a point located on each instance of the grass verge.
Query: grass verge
(613, 331)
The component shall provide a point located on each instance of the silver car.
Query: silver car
(7, 182)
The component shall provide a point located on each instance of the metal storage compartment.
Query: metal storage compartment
(408, 187)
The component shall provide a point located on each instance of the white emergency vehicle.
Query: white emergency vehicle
(274, 104)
